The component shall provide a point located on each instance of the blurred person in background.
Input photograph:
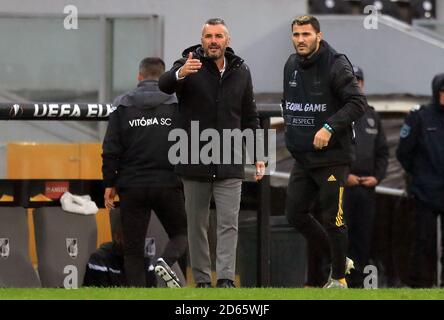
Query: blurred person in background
(421, 154)
(105, 267)
(367, 171)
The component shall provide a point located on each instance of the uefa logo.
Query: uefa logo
(293, 83)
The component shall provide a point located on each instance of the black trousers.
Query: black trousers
(135, 210)
(318, 262)
(423, 254)
(359, 207)
(326, 185)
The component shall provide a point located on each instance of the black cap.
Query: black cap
(358, 73)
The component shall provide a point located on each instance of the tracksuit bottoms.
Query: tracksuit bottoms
(326, 185)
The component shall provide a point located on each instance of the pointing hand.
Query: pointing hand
(191, 66)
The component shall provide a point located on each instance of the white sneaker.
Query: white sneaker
(164, 271)
(335, 284)
(349, 265)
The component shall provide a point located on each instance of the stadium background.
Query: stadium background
(40, 61)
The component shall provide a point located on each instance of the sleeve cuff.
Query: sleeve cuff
(328, 128)
(108, 184)
(177, 74)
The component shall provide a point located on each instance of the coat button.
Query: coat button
(214, 176)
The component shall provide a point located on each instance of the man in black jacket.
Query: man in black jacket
(421, 154)
(135, 162)
(367, 171)
(105, 266)
(215, 93)
(321, 100)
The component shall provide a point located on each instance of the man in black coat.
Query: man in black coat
(321, 100)
(136, 166)
(421, 154)
(215, 95)
(367, 171)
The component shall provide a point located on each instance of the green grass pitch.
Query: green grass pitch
(220, 294)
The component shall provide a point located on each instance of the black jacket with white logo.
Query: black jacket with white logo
(217, 103)
(321, 90)
(135, 148)
(105, 268)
